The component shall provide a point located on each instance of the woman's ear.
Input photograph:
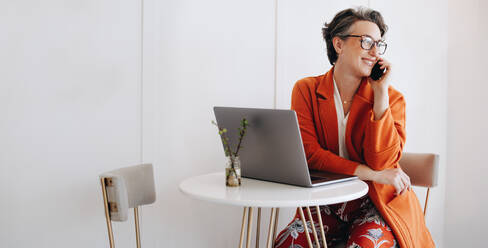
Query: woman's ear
(338, 44)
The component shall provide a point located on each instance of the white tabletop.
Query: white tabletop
(255, 193)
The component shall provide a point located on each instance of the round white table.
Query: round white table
(256, 193)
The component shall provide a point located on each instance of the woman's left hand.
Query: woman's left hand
(395, 177)
(382, 83)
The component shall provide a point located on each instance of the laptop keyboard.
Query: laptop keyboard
(318, 178)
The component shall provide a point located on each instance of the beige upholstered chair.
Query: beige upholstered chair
(125, 188)
(423, 170)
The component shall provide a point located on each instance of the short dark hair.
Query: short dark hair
(339, 26)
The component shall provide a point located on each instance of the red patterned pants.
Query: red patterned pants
(356, 222)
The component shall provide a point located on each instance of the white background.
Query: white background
(90, 86)
(466, 205)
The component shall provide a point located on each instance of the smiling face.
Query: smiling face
(351, 55)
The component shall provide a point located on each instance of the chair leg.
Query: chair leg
(426, 201)
(107, 213)
(138, 233)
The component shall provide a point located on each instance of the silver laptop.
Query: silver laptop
(272, 149)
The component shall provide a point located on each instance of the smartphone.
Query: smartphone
(376, 72)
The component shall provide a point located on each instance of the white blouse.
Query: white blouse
(341, 123)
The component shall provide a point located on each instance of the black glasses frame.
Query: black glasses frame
(375, 42)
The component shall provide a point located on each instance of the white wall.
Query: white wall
(208, 53)
(70, 109)
(466, 212)
(75, 102)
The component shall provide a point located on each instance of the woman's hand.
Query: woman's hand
(395, 177)
(380, 89)
(382, 83)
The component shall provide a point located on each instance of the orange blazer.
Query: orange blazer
(376, 143)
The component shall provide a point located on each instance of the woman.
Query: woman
(352, 124)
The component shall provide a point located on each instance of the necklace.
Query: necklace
(347, 101)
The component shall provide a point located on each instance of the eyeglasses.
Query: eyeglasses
(367, 43)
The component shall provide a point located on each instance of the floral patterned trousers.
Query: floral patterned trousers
(356, 222)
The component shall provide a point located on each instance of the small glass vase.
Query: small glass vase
(233, 172)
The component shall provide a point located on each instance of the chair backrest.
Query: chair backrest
(422, 168)
(125, 188)
(129, 187)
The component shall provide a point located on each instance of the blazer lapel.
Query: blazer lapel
(363, 100)
(327, 112)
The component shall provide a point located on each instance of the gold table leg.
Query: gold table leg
(258, 227)
(242, 226)
(249, 226)
(275, 225)
(313, 227)
(272, 217)
(322, 232)
(307, 235)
